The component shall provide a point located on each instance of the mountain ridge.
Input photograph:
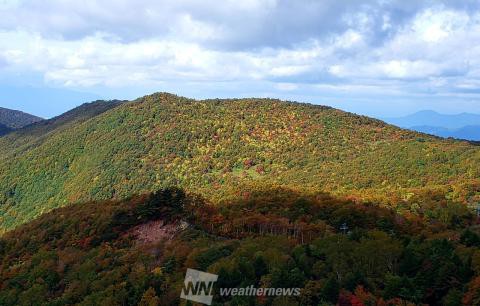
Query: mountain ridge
(468, 132)
(32, 135)
(461, 126)
(220, 148)
(433, 118)
(141, 246)
(15, 119)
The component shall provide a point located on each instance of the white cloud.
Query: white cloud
(286, 86)
(324, 45)
(97, 60)
(433, 26)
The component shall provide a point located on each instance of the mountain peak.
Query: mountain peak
(427, 112)
(212, 148)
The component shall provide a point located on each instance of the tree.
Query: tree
(149, 298)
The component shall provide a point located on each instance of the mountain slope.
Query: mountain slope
(16, 119)
(33, 135)
(4, 129)
(136, 251)
(220, 148)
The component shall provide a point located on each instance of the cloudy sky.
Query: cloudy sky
(381, 58)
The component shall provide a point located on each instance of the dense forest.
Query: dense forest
(221, 148)
(110, 203)
(135, 251)
(34, 134)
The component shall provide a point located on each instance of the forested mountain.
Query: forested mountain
(261, 192)
(14, 119)
(34, 134)
(4, 129)
(220, 149)
(135, 252)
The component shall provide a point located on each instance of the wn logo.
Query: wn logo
(198, 286)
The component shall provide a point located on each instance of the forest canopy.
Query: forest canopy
(222, 148)
(96, 253)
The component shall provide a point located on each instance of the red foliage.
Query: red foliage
(472, 297)
(348, 299)
(260, 169)
(248, 163)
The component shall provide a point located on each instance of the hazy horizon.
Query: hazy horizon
(73, 103)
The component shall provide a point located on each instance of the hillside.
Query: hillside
(4, 129)
(34, 134)
(135, 252)
(16, 119)
(223, 148)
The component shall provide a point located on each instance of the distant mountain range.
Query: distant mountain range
(13, 119)
(469, 132)
(45, 102)
(461, 126)
(16, 119)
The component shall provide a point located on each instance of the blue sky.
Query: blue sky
(380, 58)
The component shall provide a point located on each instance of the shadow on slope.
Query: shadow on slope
(95, 253)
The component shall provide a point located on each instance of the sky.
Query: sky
(379, 58)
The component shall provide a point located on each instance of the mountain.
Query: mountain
(469, 132)
(221, 149)
(4, 129)
(34, 134)
(461, 126)
(111, 203)
(135, 251)
(44, 101)
(431, 118)
(14, 119)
